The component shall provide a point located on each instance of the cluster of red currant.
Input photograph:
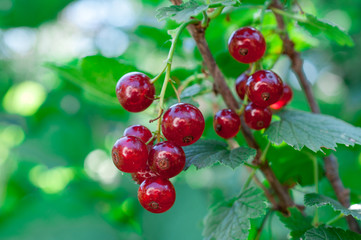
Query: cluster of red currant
(152, 165)
(182, 124)
(263, 88)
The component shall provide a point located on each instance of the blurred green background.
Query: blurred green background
(57, 180)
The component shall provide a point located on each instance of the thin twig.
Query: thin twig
(331, 165)
(221, 87)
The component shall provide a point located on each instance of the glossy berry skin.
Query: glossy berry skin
(264, 88)
(241, 85)
(183, 124)
(166, 159)
(257, 117)
(141, 175)
(130, 154)
(247, 45)
(285, 99)
(135, 92)
(226, 123)
(156, 194)
(141, 132)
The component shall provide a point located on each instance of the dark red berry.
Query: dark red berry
(257, 117)
(183, 124)
(226, 123)
(241, 85)
(141, 175)
(130, 154)
(247, 45)
(135, 92)
(285, 99)
(140, 132)
(264, 88)
(156, 194)
(166, 159)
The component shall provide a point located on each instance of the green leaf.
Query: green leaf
(324, 233)
(315, 131)
(96, 75)
(192, 91)
(183, 12)
(231, 219)
(29, 13)
(316, 26)
(238, 156)
(314, 199)
(296, 222)
(205, 153)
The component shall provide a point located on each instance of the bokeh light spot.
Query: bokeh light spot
(99, 166)
(24, 98)
(51, 180)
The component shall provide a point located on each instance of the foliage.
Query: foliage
(205, 153)
(315, 131)
(231, 219)
(55, 163)
(314, 199)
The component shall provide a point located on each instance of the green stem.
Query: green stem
(158, 76)
(315, 176)
(264, 220)
(264, 153)
(249, 179)
(168, 69)
(215, 13)
(263, 12)
(251, 166)
(253, 68)
(190, 79)
(335, 219)
(289, 15)
(204, 23)
(244, 104)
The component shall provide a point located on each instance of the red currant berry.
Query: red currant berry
(130, 154)
(166, 159)
(183, 124)
(247, 45)
(285, 99)
(264, 88)
(241, 85)
(141, 175)
(140, 132)
(257, 117)
(135, 92)
(156, 194)
(226, 123)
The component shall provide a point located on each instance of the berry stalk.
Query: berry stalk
(168, 70)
